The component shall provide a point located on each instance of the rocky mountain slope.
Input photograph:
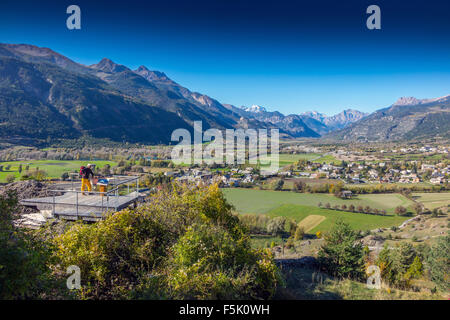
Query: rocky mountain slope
(45, 96)
(408, 118)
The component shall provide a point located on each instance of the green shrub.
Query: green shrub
(276, 225)
(184, 244)
(342, 254)
(208, 263)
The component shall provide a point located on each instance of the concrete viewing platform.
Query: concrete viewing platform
(71, 204)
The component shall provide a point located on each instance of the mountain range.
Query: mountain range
(46, 96)
(408, 118)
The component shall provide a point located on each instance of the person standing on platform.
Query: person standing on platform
(86, 174)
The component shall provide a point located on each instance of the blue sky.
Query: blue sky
(291, 56)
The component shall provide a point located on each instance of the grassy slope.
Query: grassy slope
(303, 283)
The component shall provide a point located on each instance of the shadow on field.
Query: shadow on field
(303, 281)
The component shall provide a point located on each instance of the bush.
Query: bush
(208, 263)
(65, 176)
(38, 175)
(186, 244)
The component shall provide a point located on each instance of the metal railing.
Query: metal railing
(115, 180)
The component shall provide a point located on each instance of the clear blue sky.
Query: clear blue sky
(285, 55)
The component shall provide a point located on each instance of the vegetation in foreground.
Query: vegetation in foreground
(188, 245)
(185, 245)
(344, 264)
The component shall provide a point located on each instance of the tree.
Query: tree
(404, 257)
(400, 211)
(418, 208)
(415, 270)
(342, 254)
(399, 265)
(438, 262)
(278, 185)
(299, 186)
(435, 213)
(299, 233)
(276, 225)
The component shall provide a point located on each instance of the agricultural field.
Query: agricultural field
(263, 201)
(433, 200)
(302, 207)
(315, 219)
(54, 168)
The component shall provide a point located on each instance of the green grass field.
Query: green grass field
(54, 168)
(298, 206)
(358, 221)
(433, 200)
(263, 201)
